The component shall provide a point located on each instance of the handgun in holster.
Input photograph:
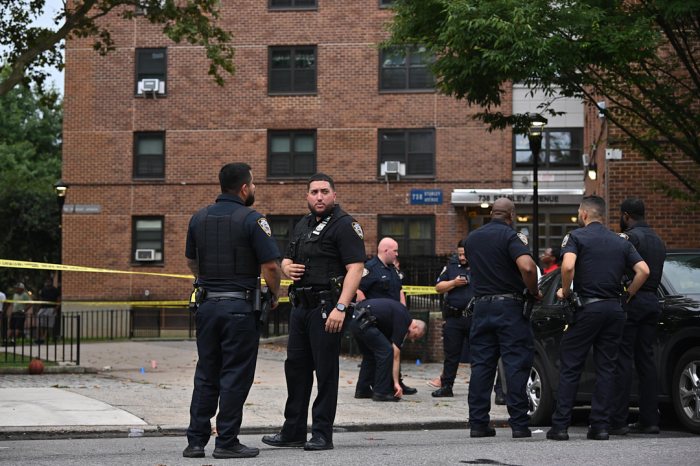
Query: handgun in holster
(572, 305)
(528, 304)
(364, 317)
(470, 307)
(196, 297)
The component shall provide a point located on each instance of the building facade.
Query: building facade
(146, 131)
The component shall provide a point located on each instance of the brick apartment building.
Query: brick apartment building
(146, 131)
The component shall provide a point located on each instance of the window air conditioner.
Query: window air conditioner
(144, 255)
(151, 86)
(393, 167)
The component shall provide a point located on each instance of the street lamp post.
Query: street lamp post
(534, 136)
(61, 191)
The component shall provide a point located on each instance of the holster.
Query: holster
(363, 316)
(528, 304)
(452, 311)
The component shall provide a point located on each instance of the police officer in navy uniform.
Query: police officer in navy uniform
(380, 326)
(324, 260)
(643, 312)
(502, 269)
(454, 281)
(227, 243)
(595, 259)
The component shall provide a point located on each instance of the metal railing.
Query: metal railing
(59, 343)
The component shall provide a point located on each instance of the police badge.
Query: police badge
(565, 240)
(523, 238)
(623, 236)
(264, 226)
(358, 229)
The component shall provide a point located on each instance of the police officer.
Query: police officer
(643, 313)
(381, 279)
(502, 268)
(227, 243)
(595, 259)
(380, 326)
(454, 282)
(325, 260)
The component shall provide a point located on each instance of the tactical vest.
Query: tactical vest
(320, 264)
(224, 252)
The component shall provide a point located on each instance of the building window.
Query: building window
(554, 224)
(292, 70)
(291, 154)
(147, 242)
(149, 155)
(415, 234)
(405, 68)
(561, 148)
(282, 228)
(151, 76)
(385, 3)
(413, 147)
(292, 4)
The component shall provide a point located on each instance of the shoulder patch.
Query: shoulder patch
(358, 229)
(565, 240)
(624, 236)
(523, 238)
(444, 269)
(264, 226)
(365, 272)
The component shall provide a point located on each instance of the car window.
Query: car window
(548, 285)
(682, 273)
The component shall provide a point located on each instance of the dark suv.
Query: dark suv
(677, 348)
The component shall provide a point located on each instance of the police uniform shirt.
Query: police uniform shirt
(393, 319)
(652, 249)
(492, 251)
(458, 296)
(601, 259)
(263, 244)
(380, 280)
(341, 243)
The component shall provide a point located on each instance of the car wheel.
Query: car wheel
(539, 394)
(685, 390)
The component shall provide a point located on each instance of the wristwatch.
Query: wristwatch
(341, 307)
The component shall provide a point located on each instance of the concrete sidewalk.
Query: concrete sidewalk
(152, 380)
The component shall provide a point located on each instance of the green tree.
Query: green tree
(27, 50)
(30, 161)
(640, 56)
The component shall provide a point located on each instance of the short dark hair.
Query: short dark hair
(321, 177)
(233, 176)
(462, 243)
(634, 207)
(595, 204)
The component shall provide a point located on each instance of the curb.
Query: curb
(50, 370)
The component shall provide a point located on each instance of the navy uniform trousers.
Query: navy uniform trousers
(499, 328)
(598, 325)
(455, 340)
(377, 360)
(637, 345)
(310, 348)
(227, 346)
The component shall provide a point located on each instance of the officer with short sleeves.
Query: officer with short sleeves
(595, 260)
(227, 243)
(380, 278)
(502, 268)
(643, 312)
(324, 260)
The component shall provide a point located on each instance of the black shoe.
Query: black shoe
(443, 392)
(237, 451)
(639, 428)
(278, 441)
(522, 433)
(485, 432)
(317, 444)
(193, 451)
(597, 434)
(624, 430)
(556, 434)
(380, 397)
(500, 400)
(360, 394)
(407, 390)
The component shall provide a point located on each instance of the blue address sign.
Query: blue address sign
(426, 196)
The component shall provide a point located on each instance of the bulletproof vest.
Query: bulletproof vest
(321, 264)
(224, 251)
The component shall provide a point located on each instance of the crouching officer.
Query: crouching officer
(380, 326)
(502, 268)
(325, 260)
(643, 312)
(595, 260)
(227, 243)
(454, 281)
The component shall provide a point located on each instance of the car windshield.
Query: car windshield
(682, 272)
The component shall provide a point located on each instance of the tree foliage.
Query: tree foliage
(640, 56)
(26, 49)
(30, 161)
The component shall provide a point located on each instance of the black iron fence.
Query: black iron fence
(55, 340)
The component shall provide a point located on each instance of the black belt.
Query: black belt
(500, 297)
(452, 311)
(587, 301)
(247, 295)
